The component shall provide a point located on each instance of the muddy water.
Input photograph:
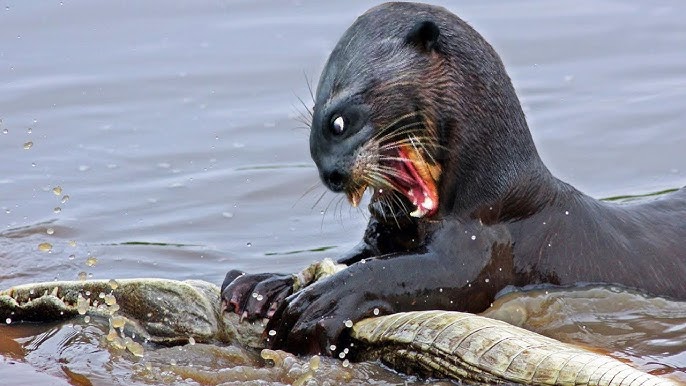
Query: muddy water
(160, 139)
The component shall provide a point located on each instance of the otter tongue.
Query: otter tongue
(418, 192)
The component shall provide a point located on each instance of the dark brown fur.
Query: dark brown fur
(503, 219)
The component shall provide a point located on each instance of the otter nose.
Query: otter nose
(335, 179)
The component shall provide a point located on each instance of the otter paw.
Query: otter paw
(255, 296)
(317, 319)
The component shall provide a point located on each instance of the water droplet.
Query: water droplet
(8, 320)
(72, 243)
(191, 340)
(254, 294)
(249, 244)
(314, 362)
(57, 209)
(45, 247)
(259, 298)
(346, 363)
(29, 130)
(473, 237)
(227, 214)
(50, 231)
(87, 319)
(5, 131)
(376, 311)
(487, 280)
(82, 305)
(64, 199)
(135, 348)
(91, 261)
(118, 321)
(566, 212)
(172, 362)
(112, 335)
(113, 284)
(348, 323)
(28, 145)
(332, 347)
(110, 299)
(83, 168)
(341, 355)
(272, 332)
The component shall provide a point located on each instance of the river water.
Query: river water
(160, 138)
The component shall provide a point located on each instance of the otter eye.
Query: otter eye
(338, 125)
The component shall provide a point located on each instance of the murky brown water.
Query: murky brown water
(170, 127)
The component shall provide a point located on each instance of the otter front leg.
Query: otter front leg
(314, 319)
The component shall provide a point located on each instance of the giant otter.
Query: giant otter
(416, 106)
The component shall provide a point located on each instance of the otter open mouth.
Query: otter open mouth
(417, 181)
(414, 178)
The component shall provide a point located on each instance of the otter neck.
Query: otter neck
(496, 162)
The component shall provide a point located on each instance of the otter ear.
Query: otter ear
(424, 36)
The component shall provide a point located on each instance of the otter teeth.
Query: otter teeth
(426, 206)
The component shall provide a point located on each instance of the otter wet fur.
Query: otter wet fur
(415, 106)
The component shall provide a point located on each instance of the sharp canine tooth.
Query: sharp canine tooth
(419, 212)
(428, 203)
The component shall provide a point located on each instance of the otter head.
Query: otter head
(407, 95)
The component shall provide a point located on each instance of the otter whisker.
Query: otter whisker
(415, 141)
(307, 191)
(399, 200)
(386, 129)
(319, 199)
(307, 108)
(378, 180)
(338, 208)
(309, 86)
(379, 171)
(390, 172)
(326, 210)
